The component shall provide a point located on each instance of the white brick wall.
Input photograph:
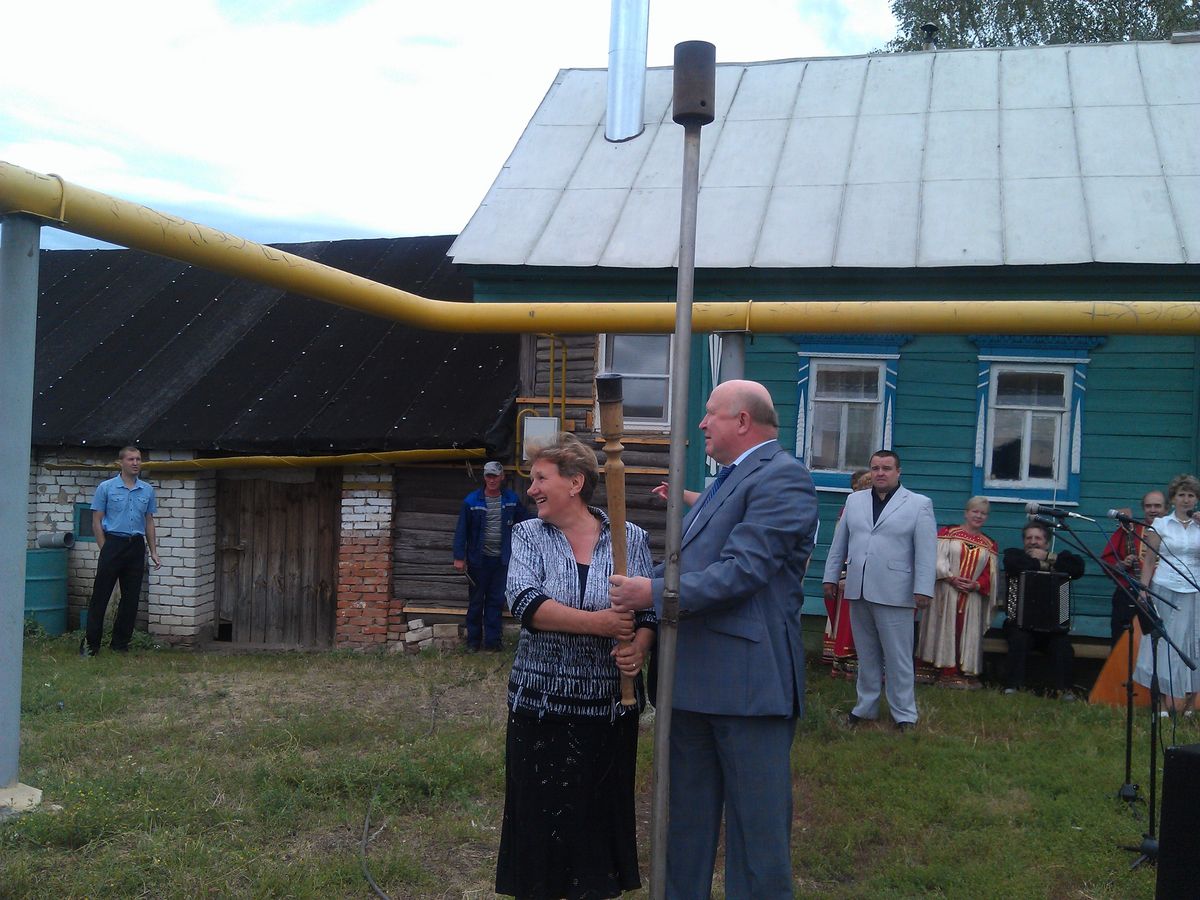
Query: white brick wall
(177, 600)
(367, 510)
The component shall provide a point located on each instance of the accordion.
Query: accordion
(1040, 601)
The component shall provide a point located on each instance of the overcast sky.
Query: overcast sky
(293, 120)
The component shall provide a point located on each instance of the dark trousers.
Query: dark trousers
(485, 606)
(1056, 643)
(122, 559)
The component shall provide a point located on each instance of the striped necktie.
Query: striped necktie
(711, 492)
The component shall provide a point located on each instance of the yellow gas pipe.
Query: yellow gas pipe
(72, 208)
(385, 458)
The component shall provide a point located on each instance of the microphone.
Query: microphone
(1035, 509)
(1045, 520)
(1121, 516)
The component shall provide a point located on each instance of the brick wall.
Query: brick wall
(177, 600)
(53, 494)
(367, 615)
(182, 593)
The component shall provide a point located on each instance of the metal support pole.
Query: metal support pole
(733, 355)
(19, 240)
(695, 77)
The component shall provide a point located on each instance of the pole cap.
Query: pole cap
(695, 83)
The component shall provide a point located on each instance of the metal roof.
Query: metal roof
(134, 348)
(1014, 156)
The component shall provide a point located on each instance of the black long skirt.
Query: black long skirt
(569, 827)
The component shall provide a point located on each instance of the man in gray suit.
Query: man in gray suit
(739, 683)
(887, 538)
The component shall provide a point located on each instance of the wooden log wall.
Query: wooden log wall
(428, 498)
(427, 503)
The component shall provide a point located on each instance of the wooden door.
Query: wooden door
(277, 560)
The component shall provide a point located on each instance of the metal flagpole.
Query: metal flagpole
(19, 238)
(694, 93)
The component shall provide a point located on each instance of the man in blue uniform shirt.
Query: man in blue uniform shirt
(123, 522)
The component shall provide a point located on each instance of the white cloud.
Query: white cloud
(379, 117)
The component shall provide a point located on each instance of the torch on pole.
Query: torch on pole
(612, 426)
(694, 94)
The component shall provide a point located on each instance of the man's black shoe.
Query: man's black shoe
(905, 727)
(853, 721)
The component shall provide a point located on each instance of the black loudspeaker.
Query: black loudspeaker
(1179, 827)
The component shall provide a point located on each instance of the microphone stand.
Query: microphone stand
(1124, 578)
(1148, 849)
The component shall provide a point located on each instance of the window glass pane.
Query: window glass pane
(634, 354)
(1006, 445)
(645, 398)
(826, 425)
(1041, 447)
(1037, 389)
(83, 522)
(861, 440)
(847, 383)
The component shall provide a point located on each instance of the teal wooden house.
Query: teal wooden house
(1052, 173)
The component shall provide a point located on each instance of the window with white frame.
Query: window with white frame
(845, 413)
(846, 397)
(1028, 425)
(644, 362)
(1029, 416)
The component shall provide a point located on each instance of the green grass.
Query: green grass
(177, 774)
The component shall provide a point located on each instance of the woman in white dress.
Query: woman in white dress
(1176, 539)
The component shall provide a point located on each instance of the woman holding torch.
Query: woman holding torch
(568, 827)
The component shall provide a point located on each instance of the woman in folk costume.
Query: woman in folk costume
(964, 600)
(837, 649)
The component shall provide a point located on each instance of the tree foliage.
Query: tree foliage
(1008, 23)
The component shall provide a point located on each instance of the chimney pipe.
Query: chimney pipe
(627, 38)
(931, 31)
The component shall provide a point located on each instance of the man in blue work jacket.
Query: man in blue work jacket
(482, 544)
(123, 511)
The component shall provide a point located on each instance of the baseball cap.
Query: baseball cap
(493, 468)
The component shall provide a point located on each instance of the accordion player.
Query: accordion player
(1039, 606)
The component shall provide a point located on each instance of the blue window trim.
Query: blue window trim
(83, 523)
(884, 348)
(1061, 350)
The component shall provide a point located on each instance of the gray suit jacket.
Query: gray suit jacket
(742, 566)
(889, 560)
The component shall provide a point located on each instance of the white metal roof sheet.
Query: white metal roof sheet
(1017, 156)
(963, 144)
(1035, 230)
(1185, 194)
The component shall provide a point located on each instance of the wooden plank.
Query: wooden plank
(227, 557)
(242, 614)
(279, 534)
(260, 543)
(294, 502)
(424, 590)
(308, 633)
(328, 536)
(441, 523)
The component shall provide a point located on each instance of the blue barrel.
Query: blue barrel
(46, 589)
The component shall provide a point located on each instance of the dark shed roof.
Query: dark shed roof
(134, 348)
